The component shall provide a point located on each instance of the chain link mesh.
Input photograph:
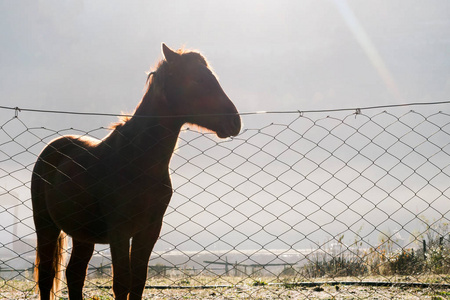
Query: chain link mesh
(297, 205)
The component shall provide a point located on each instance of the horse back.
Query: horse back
(63, 159)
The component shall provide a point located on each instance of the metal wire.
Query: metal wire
(357, 109)
(295, 205)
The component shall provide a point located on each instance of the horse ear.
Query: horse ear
(169, 54)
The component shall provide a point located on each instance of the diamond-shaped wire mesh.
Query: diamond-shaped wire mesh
(294, 201)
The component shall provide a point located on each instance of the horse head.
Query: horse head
(192, 90)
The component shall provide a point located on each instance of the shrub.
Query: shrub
(404, 262)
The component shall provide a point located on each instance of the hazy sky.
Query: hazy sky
(269, 55)
(91, 56)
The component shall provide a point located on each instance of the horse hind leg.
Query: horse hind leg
(49, 260)
(77, 268)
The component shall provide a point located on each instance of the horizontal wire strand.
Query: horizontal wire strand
(357, 109)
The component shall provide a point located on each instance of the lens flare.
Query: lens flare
(368, 47)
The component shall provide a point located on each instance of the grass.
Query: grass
(384, 259)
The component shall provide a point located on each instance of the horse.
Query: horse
(116, 190)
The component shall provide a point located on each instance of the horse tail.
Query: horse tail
(59, 261)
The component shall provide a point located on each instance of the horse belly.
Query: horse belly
(134, 209)
(77, 212)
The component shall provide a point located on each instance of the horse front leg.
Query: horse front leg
(141, 249)
(120, 255)
(77, 268)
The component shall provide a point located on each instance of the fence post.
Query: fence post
(226, 266)
(424, 249)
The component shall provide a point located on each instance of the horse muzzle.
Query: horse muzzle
(231, 126)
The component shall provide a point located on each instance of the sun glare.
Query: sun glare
(368, 47)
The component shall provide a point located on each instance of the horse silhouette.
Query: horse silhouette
(116, 190)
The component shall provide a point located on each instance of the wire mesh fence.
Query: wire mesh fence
(299, 205)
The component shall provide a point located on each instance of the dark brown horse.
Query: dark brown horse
(116, 190)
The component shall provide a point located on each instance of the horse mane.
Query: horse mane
(155, 78)
(120, 123)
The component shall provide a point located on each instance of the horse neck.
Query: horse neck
(149, 135)
(154, 110)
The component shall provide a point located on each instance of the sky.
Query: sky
(91, 56)
(269, 55)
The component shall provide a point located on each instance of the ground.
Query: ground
(252, 289)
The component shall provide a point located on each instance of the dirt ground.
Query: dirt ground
(325, 292)
(248, 290)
